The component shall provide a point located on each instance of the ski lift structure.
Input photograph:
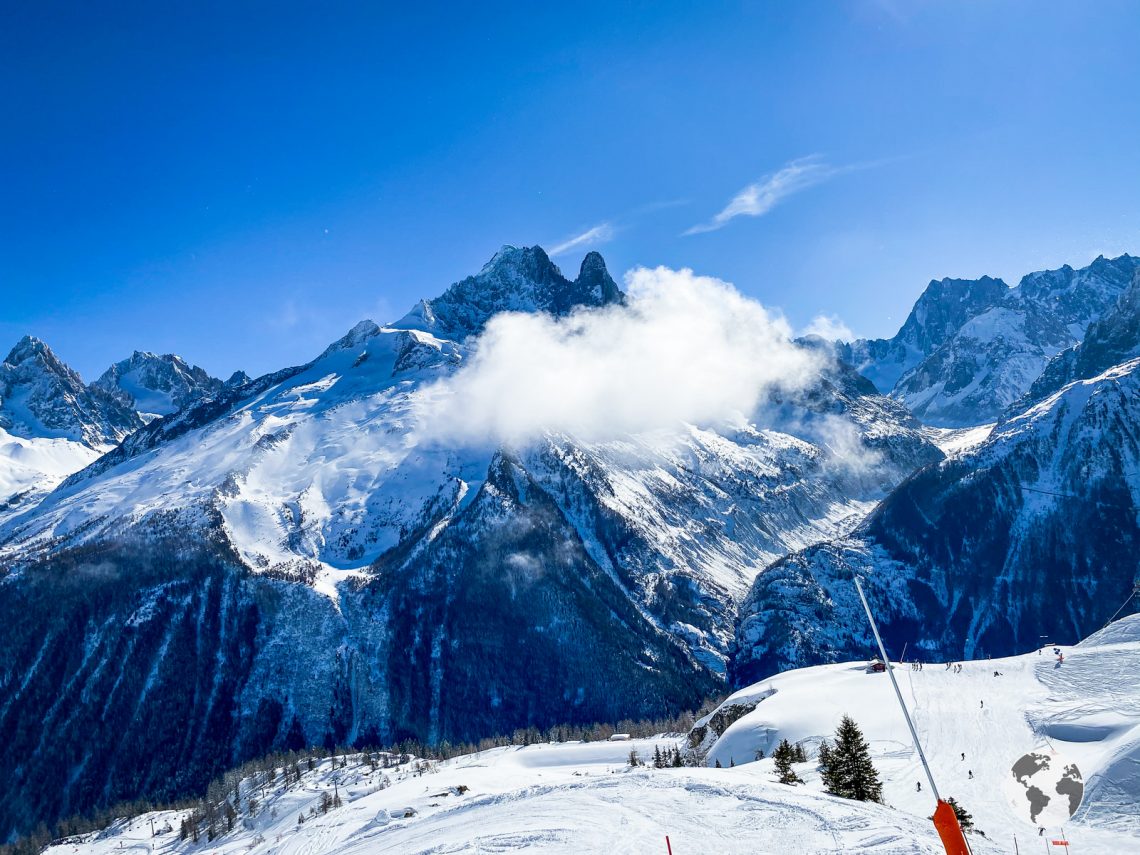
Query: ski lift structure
(945, 818)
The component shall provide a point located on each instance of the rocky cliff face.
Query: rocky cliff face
(40, 396)
(984, 553)
(970, 349)
(156, 385)
(515, 280)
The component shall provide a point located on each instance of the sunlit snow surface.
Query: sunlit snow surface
(1087, 709)
(585, 798)
(334, 465)
(958, 440)
(30, 467)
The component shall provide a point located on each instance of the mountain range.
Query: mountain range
(194, 572)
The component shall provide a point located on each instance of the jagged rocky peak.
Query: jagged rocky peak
(516, 279)
(355, 337)
(156, 385)
(41, 396)
(946, 305)
(238, 378)
(594, 277)
(971, 348)
(1109, 341)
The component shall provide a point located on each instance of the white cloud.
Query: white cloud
(828, 327)
(685, 349)
(599, 234)
(757, 199)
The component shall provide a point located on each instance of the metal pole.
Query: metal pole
(898, 694)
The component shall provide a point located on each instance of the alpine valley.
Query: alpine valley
(195, 572)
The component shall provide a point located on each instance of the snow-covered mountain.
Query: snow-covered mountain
(51, 425)
(1032, 533)
(971, 348)
(156, 385)
(516, 279)
(40, 396)
(293, 558)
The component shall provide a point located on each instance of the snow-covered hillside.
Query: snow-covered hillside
(586, 797)
(991, 710)
(30, 467)
(540, 799)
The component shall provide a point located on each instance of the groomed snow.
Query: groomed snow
(1086, 709)
(549, 799)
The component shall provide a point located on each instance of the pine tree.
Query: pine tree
(785, 755)
(798, 753)
(718, 764)
(657, 761)
(965, 819)
(634, 760)
(846, 769)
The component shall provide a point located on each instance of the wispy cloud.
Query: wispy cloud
(828, 327)
(599, 234)
(758, 199)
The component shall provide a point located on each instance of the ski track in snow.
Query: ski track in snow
(1086, 709)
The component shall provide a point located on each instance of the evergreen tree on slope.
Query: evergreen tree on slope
(846, 767)
(785, 755)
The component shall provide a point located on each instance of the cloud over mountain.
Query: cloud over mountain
(685, 348)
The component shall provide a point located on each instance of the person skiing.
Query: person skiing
(981, 705)
(970, 774)
(918, 786)
(963, 755)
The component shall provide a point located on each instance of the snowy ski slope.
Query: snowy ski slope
(1086, 709)
(586, 798)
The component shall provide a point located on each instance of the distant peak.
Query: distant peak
(593, 261)
(354, 337)
(238, 378)
(531, 262)
(30, 348)
(594, 277)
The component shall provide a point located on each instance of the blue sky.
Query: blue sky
(241, 182)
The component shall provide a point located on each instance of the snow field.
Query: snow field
(1087, 710)
(545, 799)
